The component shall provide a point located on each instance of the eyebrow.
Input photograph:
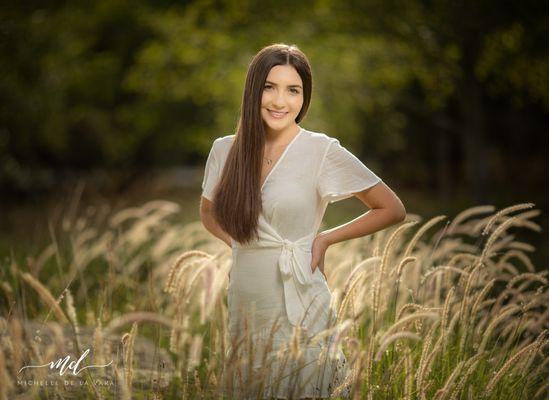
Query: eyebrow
(272, 83)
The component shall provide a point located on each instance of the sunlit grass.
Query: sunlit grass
(447, 308)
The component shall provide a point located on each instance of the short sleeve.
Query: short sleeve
(341, 174)
(211, 174)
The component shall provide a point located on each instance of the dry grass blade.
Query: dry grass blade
(46, 296)
(409, 318)
(504, 212)
(470, 212)
(512, 361)
(171, 282)
(420, 232)
(499, 230)
(386, 341)
(128, 340)
(528, 276)
(137, 316)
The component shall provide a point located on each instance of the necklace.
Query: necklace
(268, 160)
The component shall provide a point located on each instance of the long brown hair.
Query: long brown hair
(237, 198)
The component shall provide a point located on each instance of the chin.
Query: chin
(276, 127)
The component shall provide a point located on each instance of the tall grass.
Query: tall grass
(425, 310)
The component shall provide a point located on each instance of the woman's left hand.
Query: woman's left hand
(318, 250)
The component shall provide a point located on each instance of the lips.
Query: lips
(277, 115)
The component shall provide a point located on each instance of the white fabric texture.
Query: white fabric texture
(343, 174)
(271, 278)
(211, 172)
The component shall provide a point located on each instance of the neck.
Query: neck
(272, 136)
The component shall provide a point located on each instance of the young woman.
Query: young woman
(265, 191)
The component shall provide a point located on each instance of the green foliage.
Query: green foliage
(137, 83)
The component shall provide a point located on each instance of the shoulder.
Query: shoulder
(223, 141)
(222, 145)
(321, 140)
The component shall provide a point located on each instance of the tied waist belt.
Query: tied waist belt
(294, 264)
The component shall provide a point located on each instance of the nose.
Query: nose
(278, 100)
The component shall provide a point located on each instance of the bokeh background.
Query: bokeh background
(113, 103)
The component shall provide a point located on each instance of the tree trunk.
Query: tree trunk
(445, 184)
(472, 134)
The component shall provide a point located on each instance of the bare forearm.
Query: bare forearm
(368, 223)
(213, 227)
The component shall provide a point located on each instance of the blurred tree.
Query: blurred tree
(464, 53)
(61, 80)
(137, 83)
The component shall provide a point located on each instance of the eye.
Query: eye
(267, 87)
(294, 91)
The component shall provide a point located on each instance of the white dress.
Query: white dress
(271, 279)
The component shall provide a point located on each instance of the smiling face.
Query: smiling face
(282, 98)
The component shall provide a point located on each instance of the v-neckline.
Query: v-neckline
(281, 157)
